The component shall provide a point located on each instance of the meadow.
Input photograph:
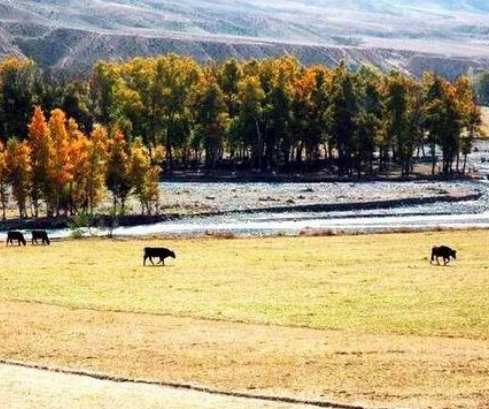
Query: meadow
(351, 318)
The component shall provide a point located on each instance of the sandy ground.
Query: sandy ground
(332, 366)
(26, 388)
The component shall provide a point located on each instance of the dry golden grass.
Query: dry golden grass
(377, 370)
(364, 284)
(385, 327)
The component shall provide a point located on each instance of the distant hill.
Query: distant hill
(449, 36)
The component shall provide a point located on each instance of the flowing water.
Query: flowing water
(243, 221)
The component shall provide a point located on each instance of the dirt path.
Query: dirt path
(331, 366)
(26, 388)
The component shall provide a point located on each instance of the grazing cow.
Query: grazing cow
(15, 236)
(40, 235)
(445, 252)
(159, 252)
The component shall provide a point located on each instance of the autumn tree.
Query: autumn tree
(341, 115)
(318, 105)
(105, 76)
(40, 143)
(60, 170)
(79, 160)
(252, 97)
(19, 172)
(211, 118)
(470, 119)
(77, 105)
(117, 177)
(443, 121)
(303, 119)
(16, 96)
(278, 105)
(452, 127)
(96, 165)
(228, 78)
(261, 114)
(143, 176)
(404, 130)
(174, 81)
(370, 121)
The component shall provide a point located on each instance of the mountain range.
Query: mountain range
(448, 36)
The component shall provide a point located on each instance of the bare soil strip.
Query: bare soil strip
(24, 388)
(187, 387)
(249, 360)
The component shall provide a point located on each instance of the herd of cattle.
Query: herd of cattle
(37, 235)
(444, 252)
(42, 236)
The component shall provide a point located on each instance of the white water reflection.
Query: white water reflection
(294, 226)
(428, 216)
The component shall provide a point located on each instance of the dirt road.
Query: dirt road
(26, 388)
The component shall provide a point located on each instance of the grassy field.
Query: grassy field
(352, 318)
(375, 284)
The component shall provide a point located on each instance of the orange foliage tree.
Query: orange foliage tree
(78, 153)
(40, 142)
(61, 169)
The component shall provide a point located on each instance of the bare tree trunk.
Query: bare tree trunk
(3, 199)
(433, 158)
(260, 147)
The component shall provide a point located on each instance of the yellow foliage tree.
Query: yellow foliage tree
(117, 173)
(144, 176)
(96, 166)
(17, 79)
(18, 162)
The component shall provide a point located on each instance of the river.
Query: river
(246, 222)
(294, 208)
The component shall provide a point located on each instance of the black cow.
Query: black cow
(159, 252)
(40, 235)
(15, 236)
(445, 252)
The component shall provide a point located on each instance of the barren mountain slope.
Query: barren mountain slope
(448, 35)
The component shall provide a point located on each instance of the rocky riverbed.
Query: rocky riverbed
(249, 208)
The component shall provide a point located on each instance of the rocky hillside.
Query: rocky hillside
(449, 36)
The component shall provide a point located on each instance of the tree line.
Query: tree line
(66, 170)
(169, 111)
